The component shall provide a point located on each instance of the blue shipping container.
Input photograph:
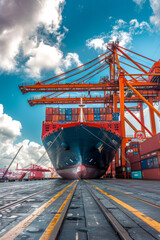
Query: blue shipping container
(144, 164)
(136, 175)
(68, 111)
(135, 153)
(68, 117)
(96, 110)
(96, 117)
(61, 110)
(128, 169)
(62, 122)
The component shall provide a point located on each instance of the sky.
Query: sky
(42, 38)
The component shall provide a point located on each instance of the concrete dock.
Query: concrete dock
(82, 209)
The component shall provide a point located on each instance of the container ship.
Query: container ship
(81, 142)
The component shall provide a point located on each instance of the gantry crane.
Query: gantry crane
(126, 81)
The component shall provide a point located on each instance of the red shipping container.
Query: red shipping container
(109, 110)
(150, 145)
(62, 117)
(74, 118)
(90, 117)
(153, 173)
(75, 111)
(136, 166)
(102, 117)
(102, 110)
(55, 111)
(49, 111)
(134, 158)
(109, 117)
(85, 117)
(85, 110)
(48, 118)
(55, 118)
(90, 111)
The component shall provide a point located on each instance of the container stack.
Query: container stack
(133, 155)
(63, 115)
(150, 158)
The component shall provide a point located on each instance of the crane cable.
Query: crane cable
(74, 68)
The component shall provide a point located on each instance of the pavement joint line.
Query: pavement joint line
(138, 199)
(151, 222)
(22, 200)
(19, 228)
(55, 224)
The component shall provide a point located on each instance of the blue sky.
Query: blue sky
(39, 39)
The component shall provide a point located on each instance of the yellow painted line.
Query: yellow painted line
(154, 224)
(138, 199)
(18, 229)
(46, 235)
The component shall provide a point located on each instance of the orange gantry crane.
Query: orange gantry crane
(126, 81)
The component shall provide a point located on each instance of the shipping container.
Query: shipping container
(136, 175)
(55, 118)
(135, 158)
(68, 118)
(74, 118)
(96, 117)
(102, 117)
(90, 117)
(61, 110)
(96, 110)
(48, 118)
(108, 117)
(153, 173)
(115, 116)
(90, 111)
(136, 166)
(144, 164)
(49, 111)
(75, 111)
(68, 111)
(85, 111)
(55, 111)
(62, 121)
(128, 169)
(103, 110)
(150, 163)
(150, 145)
(62, 117)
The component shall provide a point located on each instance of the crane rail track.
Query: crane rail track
(22, 200)
(118, 228)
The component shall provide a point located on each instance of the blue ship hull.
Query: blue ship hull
(81, 151)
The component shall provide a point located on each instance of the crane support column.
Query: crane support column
(152, 117)
(121, 87)
(142, 117)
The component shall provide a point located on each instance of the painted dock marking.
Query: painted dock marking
(154, 224)
(51, 226)
(138, 199)
(18, 229)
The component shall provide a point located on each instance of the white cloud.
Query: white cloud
(121, 31)
(49, 58)
(155, 19)
(10, 130)
(20, 21)
(139, 2)
(97, 43)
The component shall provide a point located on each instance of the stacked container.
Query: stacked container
(133, 155)
(63, 115)
(150, 157)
